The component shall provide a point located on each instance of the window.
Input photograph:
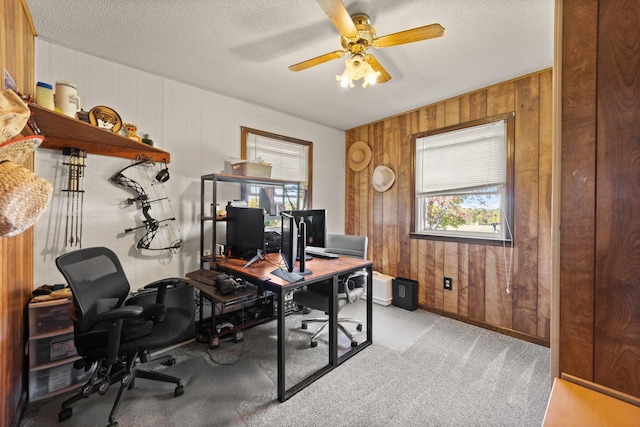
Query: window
(290, 158)
(463, 180)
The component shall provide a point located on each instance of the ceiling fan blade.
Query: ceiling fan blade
(337, 13)
(317, 60)
(384, 75)
(409, 36)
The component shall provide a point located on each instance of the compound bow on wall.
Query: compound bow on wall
(151, 224)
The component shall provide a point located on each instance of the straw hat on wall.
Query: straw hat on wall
(24, 196)
(383, 178)
(359, 156)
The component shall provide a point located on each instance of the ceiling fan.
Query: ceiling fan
(358, 35)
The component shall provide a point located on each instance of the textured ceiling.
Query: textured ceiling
(242, 48)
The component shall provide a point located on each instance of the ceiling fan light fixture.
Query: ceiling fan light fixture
(356, 68)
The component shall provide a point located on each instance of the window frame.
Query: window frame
(509, 119)
(244, 136)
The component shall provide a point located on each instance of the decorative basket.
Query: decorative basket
(23, 198)
(261, 170)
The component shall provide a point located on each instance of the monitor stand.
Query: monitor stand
(306, 271)
(259, 256)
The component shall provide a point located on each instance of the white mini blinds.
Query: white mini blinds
(289, 160)
(462, 159)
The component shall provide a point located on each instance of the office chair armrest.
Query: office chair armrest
(125, 312)
(350, 291)
(162, 285)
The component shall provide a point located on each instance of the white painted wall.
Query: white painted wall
(199, 128)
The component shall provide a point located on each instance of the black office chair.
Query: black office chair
(350, 287)
(111, 332)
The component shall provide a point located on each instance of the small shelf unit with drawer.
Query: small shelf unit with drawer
(51, 350)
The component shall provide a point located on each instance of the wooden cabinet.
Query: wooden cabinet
(61, 131)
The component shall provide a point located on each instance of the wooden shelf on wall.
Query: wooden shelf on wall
(61, 131)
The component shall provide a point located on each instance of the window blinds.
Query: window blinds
(461, 159)
(288, 160)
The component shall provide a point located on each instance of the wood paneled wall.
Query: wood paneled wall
(481, 273)
(600, 222)
(16, 253)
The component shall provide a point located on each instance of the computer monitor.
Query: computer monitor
(293, 234)
(245, 233)
(315, 220)
(289, 240)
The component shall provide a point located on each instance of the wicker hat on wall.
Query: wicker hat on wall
(359, 156)
(23, 195)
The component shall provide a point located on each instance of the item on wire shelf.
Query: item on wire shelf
(254, 168)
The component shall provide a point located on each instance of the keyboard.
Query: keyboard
(208, 277)
(320, 252)
(287, 275)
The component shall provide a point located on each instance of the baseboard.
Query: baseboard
(505, 331)
(601, 389)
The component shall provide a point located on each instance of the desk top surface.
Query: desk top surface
(321, 269)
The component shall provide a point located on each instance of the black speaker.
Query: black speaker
(404, 293)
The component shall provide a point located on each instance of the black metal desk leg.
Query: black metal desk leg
(333, 324)
(370, 304)
(281, 348)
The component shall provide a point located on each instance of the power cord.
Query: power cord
(235, 362)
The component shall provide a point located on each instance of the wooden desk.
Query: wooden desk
(572, 405)
(322, 269)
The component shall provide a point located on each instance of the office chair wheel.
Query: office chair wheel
(354, 344)
(304, 326)
(170, 362)
(179, 391)
(314, 343)
(103, 387)
(86, 391)
(359, 327)
(65, 414)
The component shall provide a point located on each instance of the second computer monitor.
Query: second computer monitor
(289, 236)
(245, 232)
(315, 220)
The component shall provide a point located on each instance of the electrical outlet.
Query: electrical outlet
(448, 283)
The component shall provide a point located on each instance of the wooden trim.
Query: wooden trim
(556, 164)
(502, 330)
(510, 133)
(244, 131)
(470, 240)
(601, 389)
(29, 18)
